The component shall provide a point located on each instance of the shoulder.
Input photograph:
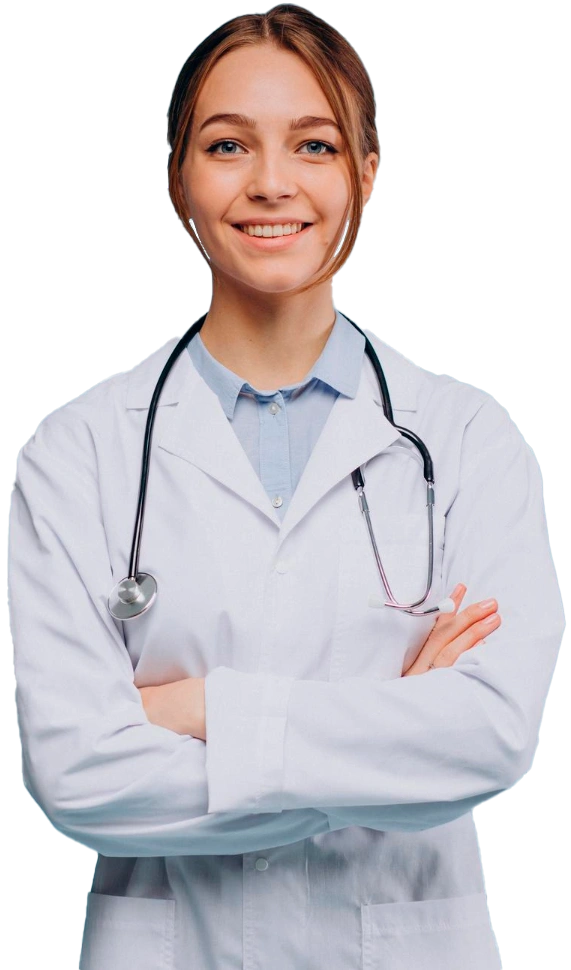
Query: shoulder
(69, 427)
(70, 432)
(415, 388)
(455, 408)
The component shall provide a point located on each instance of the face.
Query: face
(266, 176)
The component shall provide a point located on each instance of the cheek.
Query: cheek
(207, 191)
(185, 185)
(333, 216)
(329, 195)
(201, 203)
(198, 190)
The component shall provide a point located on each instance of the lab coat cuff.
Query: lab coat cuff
(245, 717)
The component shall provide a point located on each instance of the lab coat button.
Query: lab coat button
(282, 566)
(274, 407)
(262, 864)
(277, 501)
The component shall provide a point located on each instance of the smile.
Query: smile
(269, 231)
(268, 238)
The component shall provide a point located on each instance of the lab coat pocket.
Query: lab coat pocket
(402, 544)
(406, 569)
(128, 933)
(373, 639)
(430, 934)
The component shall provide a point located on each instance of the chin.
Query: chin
(276, 283)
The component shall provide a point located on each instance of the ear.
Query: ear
(369, 172)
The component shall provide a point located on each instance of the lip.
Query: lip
(269, 221)
(271, 242)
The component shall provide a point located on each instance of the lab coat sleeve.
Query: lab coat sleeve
(102, 773)
(414, 752)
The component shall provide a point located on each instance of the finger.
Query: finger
(439, 662)
(431, 647)
(457, 595)
(466, 641)
(473, 637)
(459, 623)
(448, 630)
(459, 592)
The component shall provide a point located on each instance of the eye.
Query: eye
(315, 146)
(227, 147)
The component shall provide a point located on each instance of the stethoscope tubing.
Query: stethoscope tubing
(134, 594)
(136, 543)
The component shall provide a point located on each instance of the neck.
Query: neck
(269, 339)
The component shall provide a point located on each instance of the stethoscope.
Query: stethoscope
(137, 592)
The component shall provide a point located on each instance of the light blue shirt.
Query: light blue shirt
(327, 821)
(278, 428)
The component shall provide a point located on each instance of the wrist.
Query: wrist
(197, 708)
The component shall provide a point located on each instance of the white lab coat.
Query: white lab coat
(326, 821)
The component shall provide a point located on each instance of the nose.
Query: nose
(271, 178)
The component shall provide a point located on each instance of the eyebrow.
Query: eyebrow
(296, 124)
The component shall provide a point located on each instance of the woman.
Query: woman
(267, 774)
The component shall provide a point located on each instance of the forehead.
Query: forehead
(262, 81)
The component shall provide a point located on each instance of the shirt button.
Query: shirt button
(262, 864)
(274, 407)
(277, 501)
(282, 566)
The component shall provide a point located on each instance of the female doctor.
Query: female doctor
(274, 760)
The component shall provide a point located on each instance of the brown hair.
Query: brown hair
(337, 68)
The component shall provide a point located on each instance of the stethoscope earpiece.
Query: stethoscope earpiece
(447, 605)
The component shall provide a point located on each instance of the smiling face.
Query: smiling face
(266, 175)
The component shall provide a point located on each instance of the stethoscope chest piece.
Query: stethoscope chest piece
(131, 597)
(135, 593)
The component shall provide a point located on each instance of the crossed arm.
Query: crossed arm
(180, 705)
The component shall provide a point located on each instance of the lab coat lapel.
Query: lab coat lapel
(198, 431)
(355, 431)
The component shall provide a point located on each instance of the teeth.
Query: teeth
(286, 229)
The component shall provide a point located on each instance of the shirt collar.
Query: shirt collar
(338, 365)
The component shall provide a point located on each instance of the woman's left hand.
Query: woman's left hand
(178, 706)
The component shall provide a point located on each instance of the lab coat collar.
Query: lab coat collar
(198, 430)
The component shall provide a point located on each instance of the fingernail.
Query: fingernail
(457, 589)
(491, 618)
(478, 642)
(485, 604)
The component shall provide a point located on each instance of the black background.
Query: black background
(108, 275)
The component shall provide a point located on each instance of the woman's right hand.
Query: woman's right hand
(453, 633)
